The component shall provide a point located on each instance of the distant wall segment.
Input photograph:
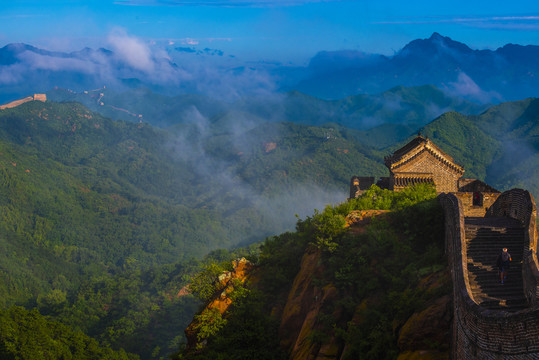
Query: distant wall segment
(35, 97)
(479, 333)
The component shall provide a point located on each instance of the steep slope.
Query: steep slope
(341, 288)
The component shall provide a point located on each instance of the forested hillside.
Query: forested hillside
(112, 195)
(101, 221)
(29, 335)
(498, 146)
(410, 107)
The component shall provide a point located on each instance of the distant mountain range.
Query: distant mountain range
(483, 76)
(508, 73)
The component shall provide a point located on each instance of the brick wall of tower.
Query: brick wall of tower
(469, 209)
(445, 178)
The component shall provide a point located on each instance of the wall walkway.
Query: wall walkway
(481, 332)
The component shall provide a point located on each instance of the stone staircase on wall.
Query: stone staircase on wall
(485, 238)
(475, 211)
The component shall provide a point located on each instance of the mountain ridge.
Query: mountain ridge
(476, 75)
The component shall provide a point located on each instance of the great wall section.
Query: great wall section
(35, 97)
(493, 320)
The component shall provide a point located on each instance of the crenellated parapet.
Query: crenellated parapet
(479, 332)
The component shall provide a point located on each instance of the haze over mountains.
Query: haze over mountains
(484, 76)
(508, 73)
(409, 108)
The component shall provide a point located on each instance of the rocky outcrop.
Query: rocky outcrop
(357, 220)
(312, 311)
(242, 271)
(426, 333)
(299, 320)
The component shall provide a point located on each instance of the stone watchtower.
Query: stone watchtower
(420, 161)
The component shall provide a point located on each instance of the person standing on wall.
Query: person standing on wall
(503, 263)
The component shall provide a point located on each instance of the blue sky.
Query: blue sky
(284, 30)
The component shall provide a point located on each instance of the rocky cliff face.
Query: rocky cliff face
(242, 271)
(300, 317)
(304, 336)
(426, 334)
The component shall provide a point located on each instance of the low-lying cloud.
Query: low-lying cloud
(132, 51)
(276, 210)
(36, 61)
(467, 88)
(130, 57)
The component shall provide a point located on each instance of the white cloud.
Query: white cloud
(190, 41)
(131, 50)
(134, 58)
(43, 62)
(12, 74)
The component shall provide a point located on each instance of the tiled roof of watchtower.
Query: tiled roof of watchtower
(415, 148)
